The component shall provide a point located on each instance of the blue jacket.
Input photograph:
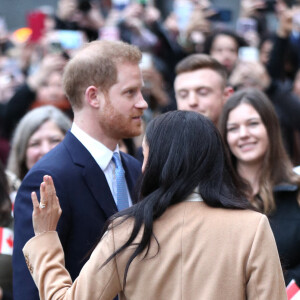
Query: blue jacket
(86, 203)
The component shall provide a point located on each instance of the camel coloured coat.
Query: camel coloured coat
(205, 254)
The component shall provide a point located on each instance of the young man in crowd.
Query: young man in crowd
(201, 85)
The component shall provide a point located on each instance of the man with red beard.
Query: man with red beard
(103, 83)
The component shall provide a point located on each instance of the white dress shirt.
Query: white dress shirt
(103, 157)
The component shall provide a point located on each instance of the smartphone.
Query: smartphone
(183, 10)
(222, 15)
(250, 54)
(70, 39)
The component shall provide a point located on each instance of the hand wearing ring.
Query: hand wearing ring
(42, 205)
(47, 211)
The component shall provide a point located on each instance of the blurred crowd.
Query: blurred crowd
(256, 53)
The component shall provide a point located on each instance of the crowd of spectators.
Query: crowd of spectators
(254, 53)
(32, 58)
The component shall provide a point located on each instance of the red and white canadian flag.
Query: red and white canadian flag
(6, 241)
(293, 291)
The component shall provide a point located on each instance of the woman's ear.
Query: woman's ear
(92, 96)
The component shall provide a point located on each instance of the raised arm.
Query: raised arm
(45, 257)
(24, 287)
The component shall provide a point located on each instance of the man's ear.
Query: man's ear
(228, 92)
(92, 96)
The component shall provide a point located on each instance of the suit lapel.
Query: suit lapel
(97, 183)
(91, 174)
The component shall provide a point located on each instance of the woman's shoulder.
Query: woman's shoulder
(237, 212)
(232, 221)
(214, 216)
(200, 221)
(192, 213)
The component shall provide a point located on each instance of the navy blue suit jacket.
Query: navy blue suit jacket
(86, 203)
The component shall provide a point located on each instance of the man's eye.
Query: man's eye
(182, 94)
(203, 92)
(131, 92)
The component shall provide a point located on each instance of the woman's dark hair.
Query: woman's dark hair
(5, 202)
(277, 167)
(185, 156)
(240, 42)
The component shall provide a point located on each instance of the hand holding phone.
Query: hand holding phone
(183, 10)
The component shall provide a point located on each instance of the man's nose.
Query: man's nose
(141, 103)
(193, 100)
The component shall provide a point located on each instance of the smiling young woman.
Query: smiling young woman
(247, 136)
(251, 133)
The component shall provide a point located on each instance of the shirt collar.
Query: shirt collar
(100, 153)
(194, 197)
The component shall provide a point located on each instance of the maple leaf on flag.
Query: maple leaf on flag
(10, 241)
